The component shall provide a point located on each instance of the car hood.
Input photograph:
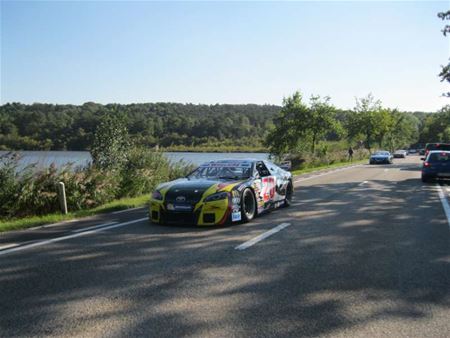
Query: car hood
(192, 190)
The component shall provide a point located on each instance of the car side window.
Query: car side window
(262, 169)
(272, 167)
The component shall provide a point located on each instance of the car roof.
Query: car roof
(229, 161)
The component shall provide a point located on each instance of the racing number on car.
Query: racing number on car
(268, 188)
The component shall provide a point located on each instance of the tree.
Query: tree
(364, 120)
(437, 126)
(445, 70)
(321, 120)
(111, 142)
(286, 134)
(298, 125)
(404, 130)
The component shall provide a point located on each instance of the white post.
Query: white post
(62, 197)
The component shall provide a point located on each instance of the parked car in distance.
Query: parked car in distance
(381, 157)
(285, 165)
(422, 152)
(436, 166)
(412, 151)
(436, 146)
(400, 153)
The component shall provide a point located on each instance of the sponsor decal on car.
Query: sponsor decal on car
(236, 216)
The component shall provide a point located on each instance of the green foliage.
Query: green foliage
(445, 70)
(366, 120)
(29, 192)
(166, 125)
(8, 184)
(321, 120)
(145, 169)
(111, 142)
(436, 127)
(299, 126)
(285, 135)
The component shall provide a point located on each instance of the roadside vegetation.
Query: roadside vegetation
(120, 172)
(314, 133)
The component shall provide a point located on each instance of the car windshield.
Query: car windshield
(222, 171)
(384, 153)
(439, 157)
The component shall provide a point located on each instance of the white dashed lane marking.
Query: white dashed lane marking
(261, 237)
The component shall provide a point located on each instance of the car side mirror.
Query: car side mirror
(422, 158)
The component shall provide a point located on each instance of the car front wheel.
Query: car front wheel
(248, 207)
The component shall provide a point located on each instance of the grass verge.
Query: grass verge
(28, 222)
(327, 166)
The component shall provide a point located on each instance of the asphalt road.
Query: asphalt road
(363, 252)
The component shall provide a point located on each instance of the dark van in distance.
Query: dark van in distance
(436, 146)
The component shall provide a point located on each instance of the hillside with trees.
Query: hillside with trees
(186, 126)
(299, 125)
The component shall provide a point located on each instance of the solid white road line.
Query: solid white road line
(264, 235)
(53, 224)
(327, 173)
(6, 246)
(131, 209)
(444, 202)
(63, 238)
(94, 227)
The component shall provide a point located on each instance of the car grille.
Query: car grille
(189, 197)
(177, 217)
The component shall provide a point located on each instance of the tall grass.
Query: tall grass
(29, 192)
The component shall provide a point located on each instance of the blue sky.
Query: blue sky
(223, 52)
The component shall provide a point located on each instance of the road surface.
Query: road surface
(362, 252)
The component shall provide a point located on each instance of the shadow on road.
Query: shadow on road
(354, 256)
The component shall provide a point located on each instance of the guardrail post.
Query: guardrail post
(62, 197)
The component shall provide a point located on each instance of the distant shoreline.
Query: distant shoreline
(164, 150)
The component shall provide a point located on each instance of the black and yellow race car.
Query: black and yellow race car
(220, 192)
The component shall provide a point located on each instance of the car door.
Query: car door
(266, 183)
(281, 181)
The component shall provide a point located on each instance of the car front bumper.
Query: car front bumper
(202, 214)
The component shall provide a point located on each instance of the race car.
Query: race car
(222, 192)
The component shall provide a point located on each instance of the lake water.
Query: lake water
(44, 159)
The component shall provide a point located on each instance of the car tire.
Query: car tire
(426, 179)
(248, 205)
(289, 193)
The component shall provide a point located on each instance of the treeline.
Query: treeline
(223, 127)
(168, 125)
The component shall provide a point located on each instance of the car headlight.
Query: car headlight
(157, 195)
(217, 197)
